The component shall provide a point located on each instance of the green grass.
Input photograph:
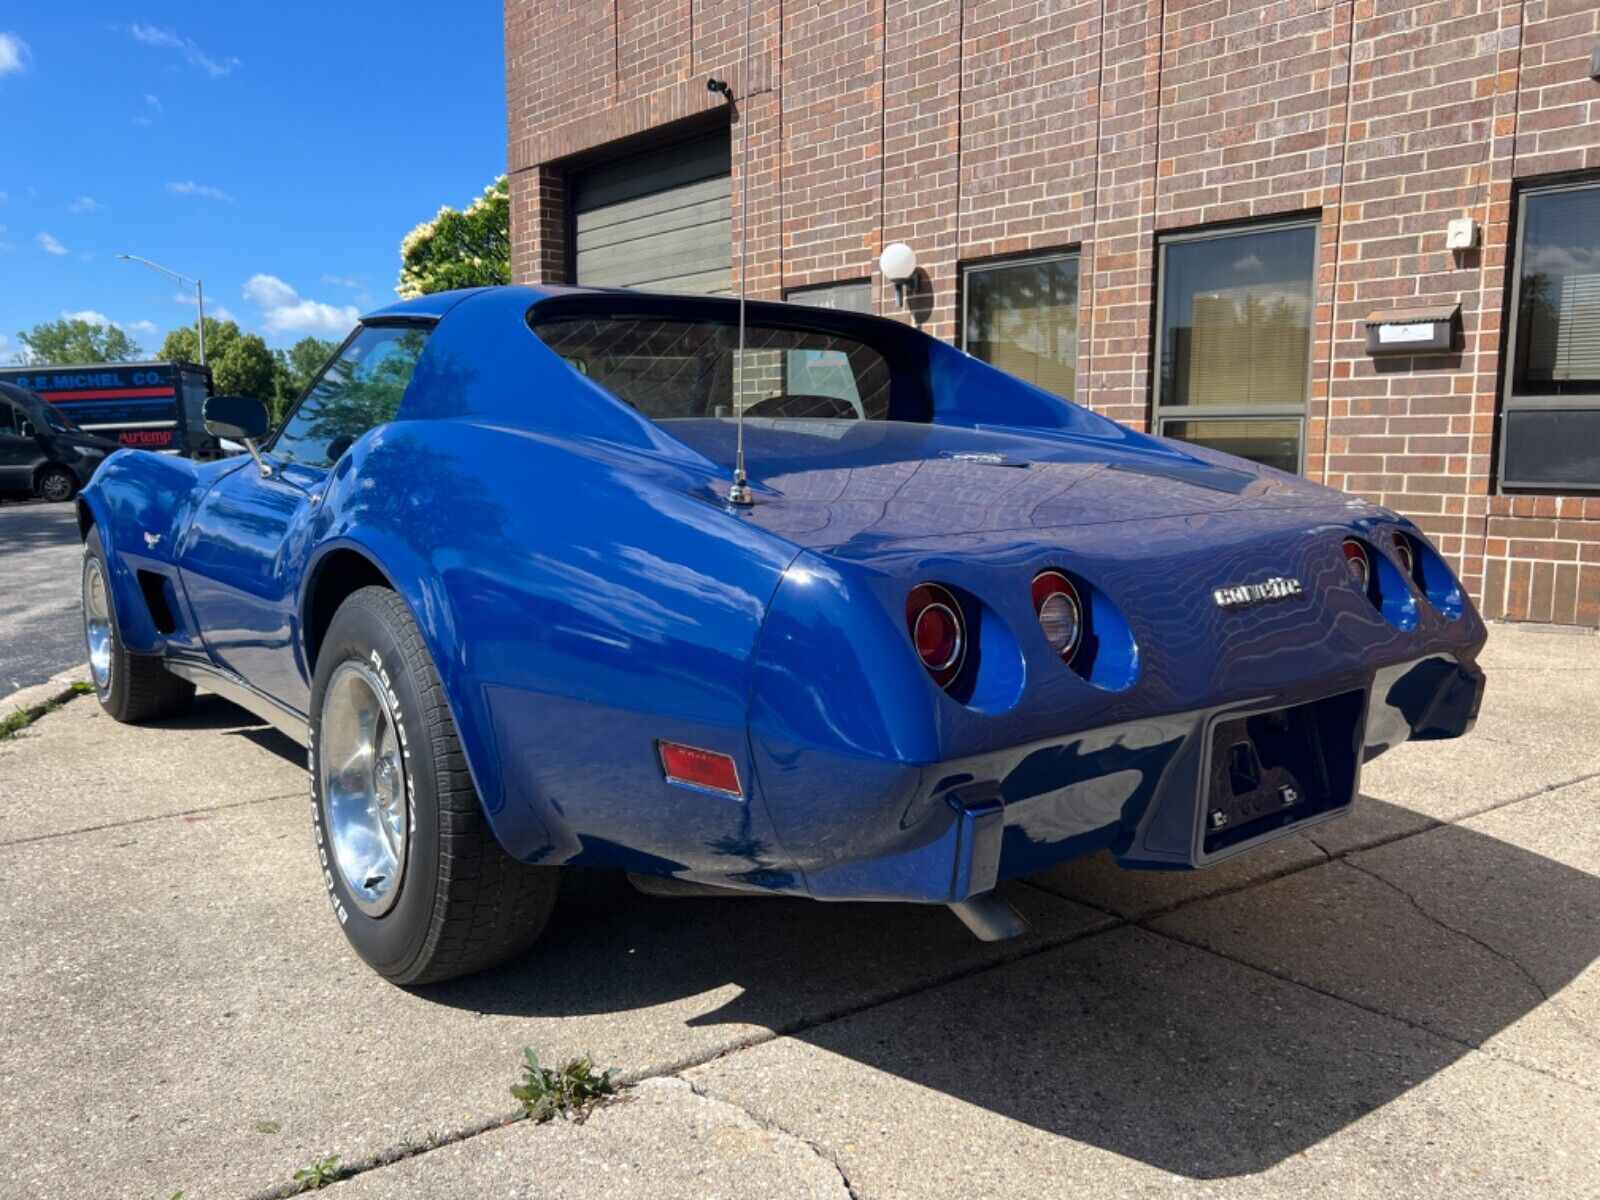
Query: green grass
(569, 1091)
(21, 718)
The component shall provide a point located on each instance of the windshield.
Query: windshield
(55, 420)
(672, 369)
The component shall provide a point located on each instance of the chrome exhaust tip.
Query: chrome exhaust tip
(990, 918)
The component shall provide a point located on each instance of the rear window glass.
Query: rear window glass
(670, 369)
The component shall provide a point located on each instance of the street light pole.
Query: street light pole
(182, 281)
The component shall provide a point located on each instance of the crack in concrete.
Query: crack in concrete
(1516, 965)
(1370, 1009)
(33, 839)
(773, 1126)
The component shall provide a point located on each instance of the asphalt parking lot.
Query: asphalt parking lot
(41, 555)
(1405, 1003)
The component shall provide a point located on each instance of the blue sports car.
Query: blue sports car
(551, 577)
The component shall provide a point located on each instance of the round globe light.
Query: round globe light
(898, 263)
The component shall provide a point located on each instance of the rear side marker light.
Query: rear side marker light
(1355, 558)
(938, 631)
(1060, 611)
(704, 770)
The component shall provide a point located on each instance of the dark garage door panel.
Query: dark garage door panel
(660, 221)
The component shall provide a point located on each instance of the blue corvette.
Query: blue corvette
(498, 571)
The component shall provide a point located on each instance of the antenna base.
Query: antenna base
(740, 494)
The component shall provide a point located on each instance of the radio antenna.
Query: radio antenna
(739, 491)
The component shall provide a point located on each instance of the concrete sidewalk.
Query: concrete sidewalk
(1406, 1005)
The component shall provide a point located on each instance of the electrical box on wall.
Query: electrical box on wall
(1413, 330)
(1461, 234)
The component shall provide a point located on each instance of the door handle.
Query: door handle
(316, 499)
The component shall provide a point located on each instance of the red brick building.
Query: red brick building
(1196, 217)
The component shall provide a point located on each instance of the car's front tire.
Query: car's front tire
(130, 687)
(416, 878)
(56, 483)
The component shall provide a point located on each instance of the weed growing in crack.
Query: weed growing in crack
(319, 1174)
(569, 1092)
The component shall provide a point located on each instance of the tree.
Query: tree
(294, 368)
(74, 340)
(457, 249)
(241, 364)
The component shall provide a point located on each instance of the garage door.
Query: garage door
(661, 220)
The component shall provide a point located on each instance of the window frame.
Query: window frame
(1300, 413)
(1510, 402)
(426, 324)
(1032, 258)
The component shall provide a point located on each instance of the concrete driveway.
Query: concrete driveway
(40, 629)
(1407, 1005)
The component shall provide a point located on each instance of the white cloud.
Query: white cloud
(353, 282)
(14, 54)
(190, 188)
(49, 244)
(168, 40)
(85, 204)
(153, 101)
(284, 310)
(89, 315)
(143, 328)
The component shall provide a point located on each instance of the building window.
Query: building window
(1551, 427)
(1023, 318)
(855, 296)
(1233, 352)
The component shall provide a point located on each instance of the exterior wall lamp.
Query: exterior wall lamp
(898, 262)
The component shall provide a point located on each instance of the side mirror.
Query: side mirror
(243, 418)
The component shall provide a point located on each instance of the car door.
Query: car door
(19, 449)
(246, 548)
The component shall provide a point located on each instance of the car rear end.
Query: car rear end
(1176, 689)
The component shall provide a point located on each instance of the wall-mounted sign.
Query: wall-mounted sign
(1413, 330)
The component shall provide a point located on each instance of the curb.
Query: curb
(35, 700)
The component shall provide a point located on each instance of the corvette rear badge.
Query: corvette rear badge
(1243, 595)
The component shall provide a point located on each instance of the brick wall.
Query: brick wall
(978, 129)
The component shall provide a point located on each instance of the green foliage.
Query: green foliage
(71, 340)
(319, 1174)
(241, 364)
(568, 1092)
(294, 368)
(467, 248)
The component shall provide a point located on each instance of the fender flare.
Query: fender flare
(416, 583)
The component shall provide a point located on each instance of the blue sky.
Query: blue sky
(278, 151)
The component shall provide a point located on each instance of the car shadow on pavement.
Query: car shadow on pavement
(1317, 997)
(212, 712)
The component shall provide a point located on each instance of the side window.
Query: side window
(8, 419)
(359, 390)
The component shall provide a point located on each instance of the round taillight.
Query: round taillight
(1355, 558)
(1060, 612)
(1403, 551)
(938, 632)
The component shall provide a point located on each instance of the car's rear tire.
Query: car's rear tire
(55, 483)
(130, 687)
(421, 887)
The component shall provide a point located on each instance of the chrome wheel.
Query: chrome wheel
(97, 622)
(364, 790)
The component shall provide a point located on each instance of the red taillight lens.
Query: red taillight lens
(696, 768)
(1355, 558)
(1407, 557)
(938, 631)
(1060, 611)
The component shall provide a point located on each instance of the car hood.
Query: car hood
(829, 484)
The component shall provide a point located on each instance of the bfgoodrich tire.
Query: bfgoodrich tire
(416, 878)
(131, 687)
